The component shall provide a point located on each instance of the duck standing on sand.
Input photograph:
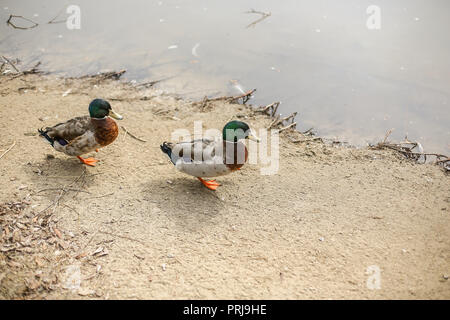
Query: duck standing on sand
(205, 157)
(84, 134)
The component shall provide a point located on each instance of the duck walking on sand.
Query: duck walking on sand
(206, 157)
(85, 134)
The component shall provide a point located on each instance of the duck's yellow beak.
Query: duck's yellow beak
(115, 115)
(252, 136)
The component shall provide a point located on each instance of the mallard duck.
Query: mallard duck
(84, 134)
(205, 158)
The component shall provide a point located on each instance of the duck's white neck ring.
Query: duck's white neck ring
(99, 118)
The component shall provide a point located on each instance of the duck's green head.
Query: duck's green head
(237, 130)
(100, 108)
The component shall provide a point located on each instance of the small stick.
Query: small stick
(132, 135)
(293, 124)
(7, 150)
(278, 121)
(105, 195)
(263, 16)
(292, 116)
(67, 189)
(307, 140)
(59, 21)
(10, 63)
(204, 103)
(273, 107)
(33, 70)
(388, 133)
(273, 122)
(245, 96)
(308, 132)
(152, 83)
(120, 236)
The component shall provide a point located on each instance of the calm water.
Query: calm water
(317, 57)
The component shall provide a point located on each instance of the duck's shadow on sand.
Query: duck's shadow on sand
(57, 173)
(183, 198)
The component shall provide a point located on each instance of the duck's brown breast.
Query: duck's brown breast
(106, 130)
(233, 158)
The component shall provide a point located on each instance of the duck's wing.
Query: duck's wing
(70, 129)
(80, 145)
(195, 150)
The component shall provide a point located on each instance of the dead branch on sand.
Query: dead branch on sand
(307, 140)
(105, 75)
(7, 150)
(67, 189)
(150, 84)
(132, 135)
(407, 149)
(121, 236)
(33, 70)
(10, 63)
(11, 16)
(280, 123)
(309, 132)
(231, 99)
(245, 97)
(264, 15)
(270, 109)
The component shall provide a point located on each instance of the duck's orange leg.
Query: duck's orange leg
(211, 184)
(88, 161)
(96, 150)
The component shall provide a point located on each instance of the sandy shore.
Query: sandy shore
(133, 227)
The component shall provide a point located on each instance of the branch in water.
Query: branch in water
(9, 22)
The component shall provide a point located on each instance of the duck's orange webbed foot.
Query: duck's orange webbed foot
(211, 184)
(88, 161)
(96, 150)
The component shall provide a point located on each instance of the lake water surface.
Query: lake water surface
(317, 57)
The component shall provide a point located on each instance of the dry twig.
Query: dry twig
(150, 84)
(231, 99)
(132, 135)
(7, 150)
(10, 63)
(33, 70)
(102, 196)
(307, 140)
(59, 21)
(121, 236)
(264, 15)
(407, 149)
(270, 109)
(105, 75)
(292, 125)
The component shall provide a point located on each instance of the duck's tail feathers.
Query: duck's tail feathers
(44, 134)
(166, 147)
